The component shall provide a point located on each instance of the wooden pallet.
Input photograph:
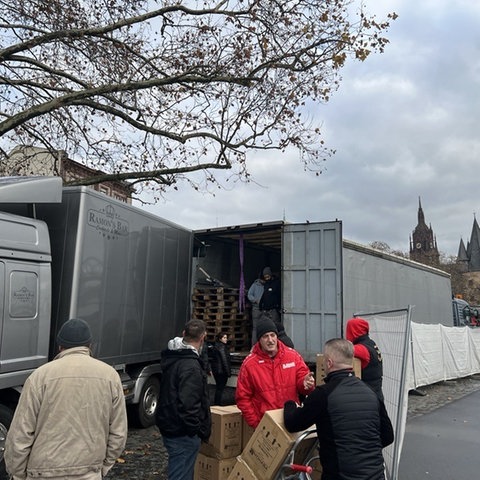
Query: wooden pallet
(215, 310)
(226, 322)
(215, 290)
(218, 307)
(212, 297)
(240, 341)
(233, 328)
(219, 294)
(201, 303)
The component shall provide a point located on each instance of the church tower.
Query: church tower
(423, 244)
(469, 257)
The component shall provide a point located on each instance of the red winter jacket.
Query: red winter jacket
(266, 383)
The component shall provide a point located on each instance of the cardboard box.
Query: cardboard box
(269, 445)
(241, 471)
(209, 468)
(226, 438)
(320, 370)
(247, 432)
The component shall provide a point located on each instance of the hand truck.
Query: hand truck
(293, 471)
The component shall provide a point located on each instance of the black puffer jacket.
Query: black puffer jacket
(183, 408)
(271, 298)
(221, 359)
(352, 427)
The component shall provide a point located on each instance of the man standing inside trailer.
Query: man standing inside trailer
(271, 300)
(70, 422)
(254, 295)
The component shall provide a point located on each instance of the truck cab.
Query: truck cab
(463, 314)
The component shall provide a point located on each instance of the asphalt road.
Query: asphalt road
(443, 444)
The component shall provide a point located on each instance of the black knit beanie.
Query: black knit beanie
(264, 326)
(74, 333)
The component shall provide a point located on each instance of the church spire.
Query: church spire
(421, 216)
(423, 242)
(473, 248)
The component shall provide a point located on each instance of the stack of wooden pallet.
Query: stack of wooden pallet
(219, 308)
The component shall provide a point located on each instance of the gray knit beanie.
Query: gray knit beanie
(74, 333)
(267, 271)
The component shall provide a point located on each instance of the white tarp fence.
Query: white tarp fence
(442, 353)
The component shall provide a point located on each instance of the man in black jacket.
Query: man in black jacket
(183, 415)
(269, 305)
(271, 299)
(352, 423)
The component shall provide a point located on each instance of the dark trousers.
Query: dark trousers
(220, 382)
(270, 315)
(182, 454)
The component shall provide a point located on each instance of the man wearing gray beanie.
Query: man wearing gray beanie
(70, 422)
(74, 333)
(272, 374)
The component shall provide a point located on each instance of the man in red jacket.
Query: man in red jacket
(272, 374)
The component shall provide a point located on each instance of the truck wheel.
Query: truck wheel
(147, 406)
(6, 417)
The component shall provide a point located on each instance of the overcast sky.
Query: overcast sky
(404, 124)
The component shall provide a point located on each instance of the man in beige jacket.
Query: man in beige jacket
(70, 422)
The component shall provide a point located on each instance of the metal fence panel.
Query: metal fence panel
(391, 332)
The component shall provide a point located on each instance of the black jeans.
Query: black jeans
(220, 382)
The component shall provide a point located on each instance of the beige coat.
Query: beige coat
(70, 420)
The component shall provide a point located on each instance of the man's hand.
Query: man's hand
(308, 381)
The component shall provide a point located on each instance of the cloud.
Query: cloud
(404, 125)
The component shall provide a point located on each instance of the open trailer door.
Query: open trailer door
(312, 284)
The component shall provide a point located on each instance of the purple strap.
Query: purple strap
(241, 291)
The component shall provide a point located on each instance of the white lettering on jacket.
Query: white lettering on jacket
(288, 365)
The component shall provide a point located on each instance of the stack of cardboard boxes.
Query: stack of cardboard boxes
(218, 457)
(236, 451)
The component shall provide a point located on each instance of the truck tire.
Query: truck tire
(6, 417)
(147, 406)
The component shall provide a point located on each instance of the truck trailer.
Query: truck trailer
(74, 252)
(325, 278)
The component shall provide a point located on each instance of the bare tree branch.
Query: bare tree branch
(152, 95)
